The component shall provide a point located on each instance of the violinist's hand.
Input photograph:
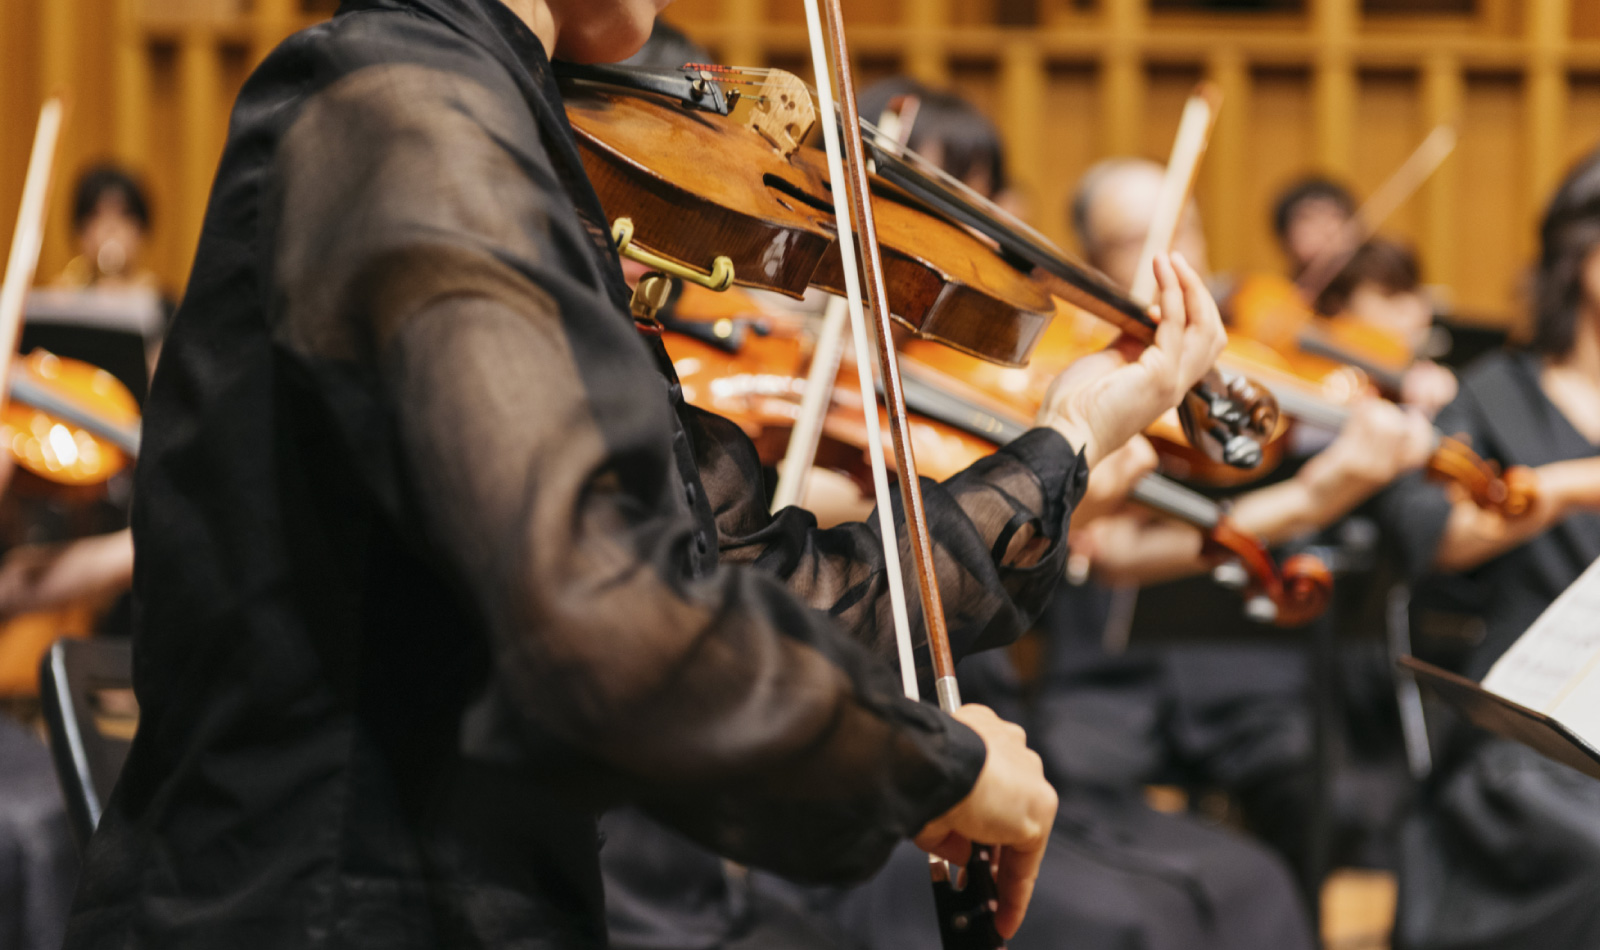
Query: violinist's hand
(1011, 807)
(1428, 387)
(1112, 480)
(1101, 400)
(1378, 443)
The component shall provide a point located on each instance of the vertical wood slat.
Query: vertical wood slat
(132, 113)
(925, 23)
(58, 74)
(1022, 87)
(271, 22)
(1545, 90)
(742, 44)
(1333, 82)
(1227, 160)
(1122, 78)
(200, 110)
(1444, 91)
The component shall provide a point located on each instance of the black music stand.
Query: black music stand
(1501, 716)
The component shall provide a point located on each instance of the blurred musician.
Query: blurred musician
(1504, 849)
(1309, 219)
(1381, 286)
(1226, 714)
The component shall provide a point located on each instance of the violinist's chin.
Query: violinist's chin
(603, 31)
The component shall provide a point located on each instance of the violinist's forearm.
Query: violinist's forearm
(43, 577)
(1130, 550)
(1319, 494)
(1473, 536)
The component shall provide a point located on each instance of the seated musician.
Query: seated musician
(1112, 206)
(1309, 219)
(1502, 851)
(1381, 286)
(435, 563)
(1229, 714)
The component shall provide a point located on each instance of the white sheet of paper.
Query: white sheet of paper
(1547, 665)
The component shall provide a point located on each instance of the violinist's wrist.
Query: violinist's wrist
(1078, 434)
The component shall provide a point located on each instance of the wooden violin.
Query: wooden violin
(757, 383)
(704, 176)
(68, 422)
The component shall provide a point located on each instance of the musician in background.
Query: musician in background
(1503, 850)
(1381, 286)
(1310, 218)
(1222, 714)
(111, 223)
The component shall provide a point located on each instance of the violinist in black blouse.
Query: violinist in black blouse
(1503, 850)
(434, 563)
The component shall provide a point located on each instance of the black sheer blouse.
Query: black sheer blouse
(434, 563)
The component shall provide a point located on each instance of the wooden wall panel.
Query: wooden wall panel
(1496, 228)
(1280, 150)
(1067, 146)
(1390, 105)
(1324, 89)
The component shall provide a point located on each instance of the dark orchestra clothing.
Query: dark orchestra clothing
(1503, 849)
(1116, 875)
(435, 563)
(1506, 418)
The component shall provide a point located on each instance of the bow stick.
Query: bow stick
(1188, 148)
(894, 128)
(29, 237)
(966, 900)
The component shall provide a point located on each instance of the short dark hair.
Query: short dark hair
(967, 139)
(1310, 188)
(1389, 264)
(1569, 232)
(102, 181)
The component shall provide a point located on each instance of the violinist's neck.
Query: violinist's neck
(541, 19)
(1585, 356)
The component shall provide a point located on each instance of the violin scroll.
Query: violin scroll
(1290, 597)
(1510, 493)
(1229, 418)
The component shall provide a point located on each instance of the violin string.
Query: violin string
(735, 76)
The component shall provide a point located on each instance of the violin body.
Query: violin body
(698, 186)
(1270, 309)
(69, 452)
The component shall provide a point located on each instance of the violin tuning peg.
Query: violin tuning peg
(1261, 609)
(1230, 574)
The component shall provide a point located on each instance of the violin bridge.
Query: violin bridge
(783, 113)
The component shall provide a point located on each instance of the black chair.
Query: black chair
(86, 688)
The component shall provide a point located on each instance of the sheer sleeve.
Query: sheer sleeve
(998, 530)
(428, 253)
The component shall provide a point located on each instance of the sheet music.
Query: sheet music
(1549, 661)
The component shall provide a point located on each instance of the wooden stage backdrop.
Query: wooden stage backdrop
(1334, 86)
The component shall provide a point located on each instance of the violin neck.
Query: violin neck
(1167, 497)
(1386, 378)
(1155, 492)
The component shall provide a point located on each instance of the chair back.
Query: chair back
(86, 688)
